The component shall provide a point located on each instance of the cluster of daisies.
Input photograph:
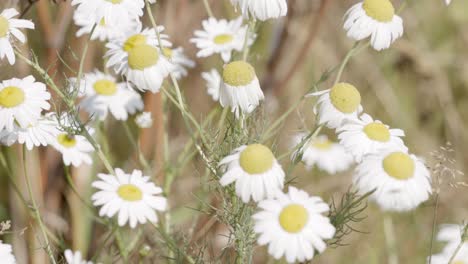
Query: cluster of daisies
(292, 224)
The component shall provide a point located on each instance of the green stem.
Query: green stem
(246, 49)
(390, 240)
(36, 210)
(455, 253)
(135, 144)
(434, 224)
(208, 8)
(353, 51)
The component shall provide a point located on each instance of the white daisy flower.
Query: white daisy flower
(321, 152)
(103, 31)
(10, 26)
(365, 136)
(213, 83)
(255, 171)
(374, 18)
(400, 180)
(180, 61)
(240, 88)
(262, 9)
(334, 106)
(144, 120)
(21, 102)
(102, 94)
(452, 235)
(133, 196)
(112, 11)
(222, 37)
(138, 58)
(293, 226)
(75, 257)
(75, 149)
(6, 254)
(41, 132)
(447, 2)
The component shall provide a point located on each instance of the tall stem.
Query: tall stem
(208, 8)
(390, 239)
(36, 210)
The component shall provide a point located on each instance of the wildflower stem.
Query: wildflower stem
(434, 223)
(455, 253)
(83, 57)
(246, 49)
(135, 144)
(208, 8)
(10, 177)
(353, 51)
(36, 210)
(390, 240)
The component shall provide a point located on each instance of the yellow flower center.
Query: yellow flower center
(102, 23)
(115, 1)
(66, 140)
(4, 27)
(142, 56)
(256, 159)
(399, 165)
(238, 73)
(11, 96)
(293, 218)
(134, 41)
(130, 192)
(223, 39)
(167, 52)
(345, 97)
(377, 132)
(380, 10)
(322, 144)
(105, 87)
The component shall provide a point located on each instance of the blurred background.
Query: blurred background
(419, 85)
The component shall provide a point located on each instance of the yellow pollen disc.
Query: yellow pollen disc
(345, 97)
(115, 1)
(130, 192)
(238, 73)
(134, 41)
(105, 87)
(380, 10)
(11, 96)
(102, 23)
(377, 132)
(66, 140)
(399, 165)
(323, 144)
(223, 39)
(142, 57)
(4, 27)
(256, 159)
(293, 218)
(167, 52)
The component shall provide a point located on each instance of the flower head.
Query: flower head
(240, 88)
(6, 254)
(367, 136)
(21, 102)
(138, 57)
(262, 9)
(323, 153)
(255, 171)
(144, 120)
(132, 196)
(103, 94)
(400, 180)
(293, 225)
(221, 37)
(374, 18)
(213, 83)
(340, 103)
(9, 27)
(75, 257)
